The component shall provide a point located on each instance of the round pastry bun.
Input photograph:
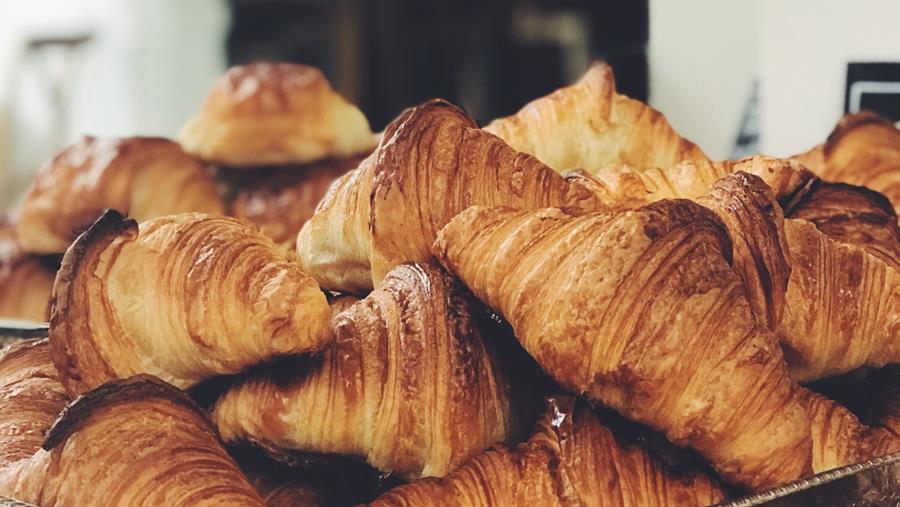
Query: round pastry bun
(275, 113)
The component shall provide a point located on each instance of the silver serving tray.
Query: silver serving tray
(874, 483)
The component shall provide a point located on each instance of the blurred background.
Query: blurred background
(736, 77)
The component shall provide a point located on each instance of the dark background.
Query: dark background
(491, 57)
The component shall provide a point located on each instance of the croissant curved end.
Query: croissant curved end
(130, 390)
(65, 295)
(849, 123)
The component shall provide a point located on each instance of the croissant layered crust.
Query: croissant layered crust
(432, 163)
(143, 177)
(864, 149)
(31, 397)
(589, 126)
(641, 311)
(25, 280)
(843, 307)
(275, 113)
(409, 384)
(571, 459)
(137, 442)
(184, 298)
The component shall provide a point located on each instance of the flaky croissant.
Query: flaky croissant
(25, 280)
(183, 297)
(280, 199)
(275, 113)
(409, 384)
(571, 459)
(640, 310)
(589, 126)
(431, 164)
(143, 177)
(135, 442)
(31, 397)
(863, 149)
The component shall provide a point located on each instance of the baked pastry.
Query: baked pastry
(142, 177)
(640, 310)
(275, 113)
(184, 297)
(571, 459)
(589, 126)
(25, 279)
(863, 149)
(31, 397)
(138, 442)
(280, 199)
(431, 164)
(409, 384)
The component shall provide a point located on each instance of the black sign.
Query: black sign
(874, 87)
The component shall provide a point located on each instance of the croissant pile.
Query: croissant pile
(573, 305)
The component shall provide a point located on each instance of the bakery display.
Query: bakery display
(184, 297)
(143, 177)
(573, 305)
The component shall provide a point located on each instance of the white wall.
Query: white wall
(148, 66)
(703, 57)
(805, 47)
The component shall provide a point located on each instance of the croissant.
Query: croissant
(25, 280)
(640, 311)
(589, 126)
(280, 199)
(183, 297)
(571, 459)
(409, 384)
(144, 177)
(840, 439)
(843, 307)
(133, 442)
(275, 113)
(31, 397)
(431, 164)
(863, 149)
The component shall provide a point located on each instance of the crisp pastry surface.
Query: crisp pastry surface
(25, 280)
(280, 199)
(409, 383)
(31, 396)
(143, 177)
(591, 127)
(432, 163)
(184, 297)
(135, 442)
(571, 459)
(641, 311)
(275, 113)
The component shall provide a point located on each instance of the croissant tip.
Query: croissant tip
(138, 387)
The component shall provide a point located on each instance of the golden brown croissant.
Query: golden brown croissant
(31, 397)
(280, 199)
(640, 310)
(409, 384)
(843, 307)
(184, 298)
(589, 126)
(431, 164)
(25, 280)
(143, 177)
(136, 442)
(863, 149)
(571, 459)
(275, 113)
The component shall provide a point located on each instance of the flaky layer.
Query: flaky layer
(183, 297)
(275, 113)
(571, 459)
(25, 280)
(409, 384)
(142, 177)
(640, 310)
(431, 164)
